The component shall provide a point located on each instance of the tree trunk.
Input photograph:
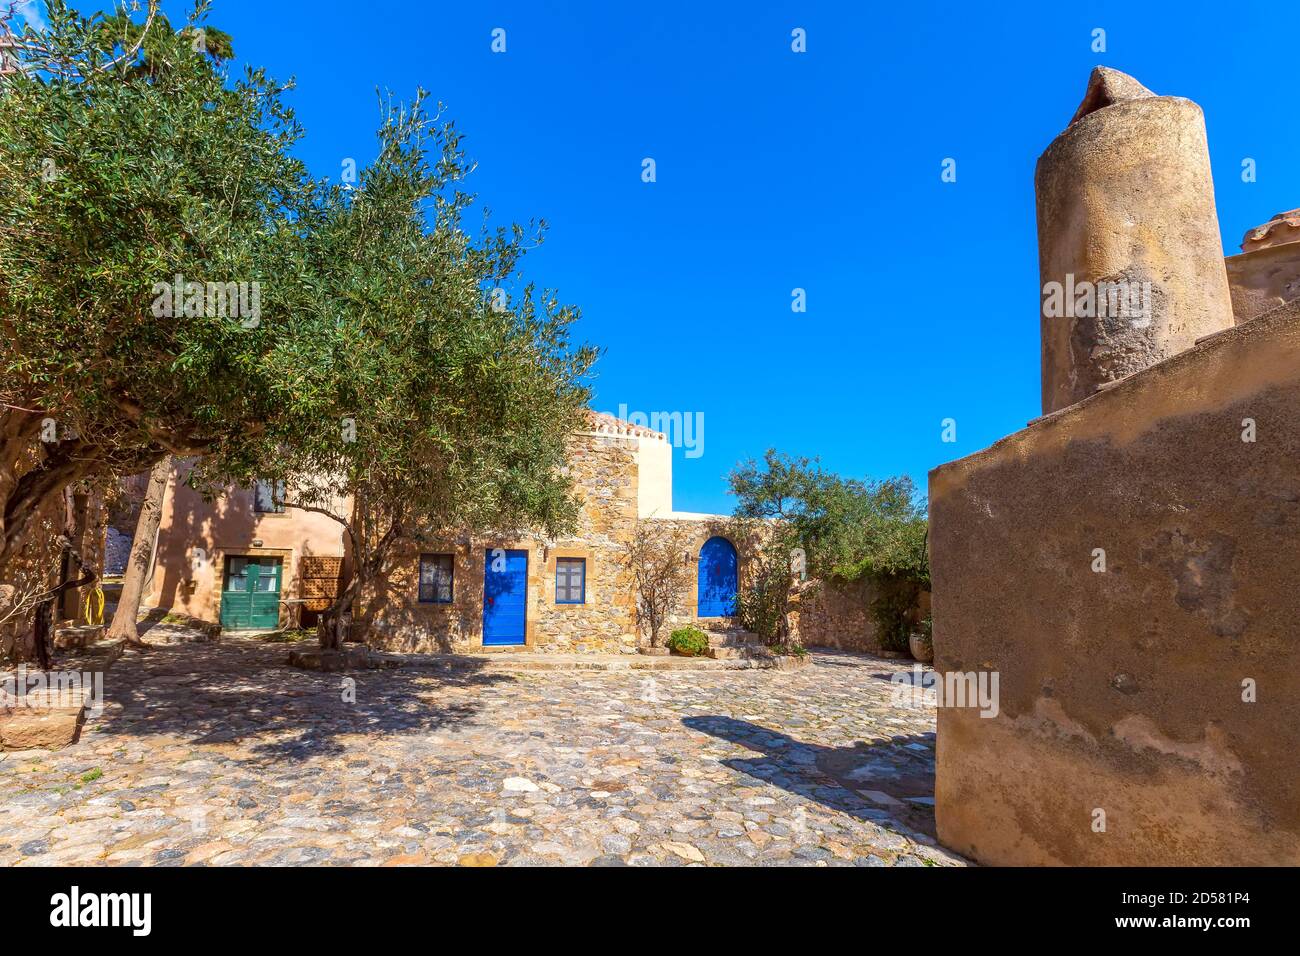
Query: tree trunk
(334, 625)
(137, 566)
(41, 634)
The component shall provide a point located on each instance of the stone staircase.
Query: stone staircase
(728, 641)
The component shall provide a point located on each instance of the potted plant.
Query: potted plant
(921, 641)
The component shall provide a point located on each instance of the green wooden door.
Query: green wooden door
(250, 598)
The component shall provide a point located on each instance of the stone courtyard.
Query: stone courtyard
(218, 753)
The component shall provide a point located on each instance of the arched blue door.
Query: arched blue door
(717, 579)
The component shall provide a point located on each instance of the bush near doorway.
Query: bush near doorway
(892, 612)
(689, 642)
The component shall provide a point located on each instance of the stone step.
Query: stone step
(78, 635)
(43, 719)
(740, 652)
(50, 716)
(736, 638)
(724, 624)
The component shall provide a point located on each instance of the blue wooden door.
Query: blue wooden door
(505, 596)
(717, 581)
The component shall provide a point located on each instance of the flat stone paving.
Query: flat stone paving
(219, 753)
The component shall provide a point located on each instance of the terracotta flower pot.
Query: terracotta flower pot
(921, 646)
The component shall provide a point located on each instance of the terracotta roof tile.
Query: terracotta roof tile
(608, 424)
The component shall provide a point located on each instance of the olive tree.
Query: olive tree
(151, 214)
(416, 395)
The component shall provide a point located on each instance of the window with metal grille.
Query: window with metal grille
(570, 580)
(436, 574)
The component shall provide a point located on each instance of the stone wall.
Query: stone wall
(34, 568)
(606, 465)
(835, 614)
(838, 614)
(1128, 691)
(695, 532)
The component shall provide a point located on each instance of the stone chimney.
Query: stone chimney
(1267, 273)
(1128, 238)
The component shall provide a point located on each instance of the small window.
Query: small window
(570, 580)
(436, 574)
(268, 497)
(237, 574)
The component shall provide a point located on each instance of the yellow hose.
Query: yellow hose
(93, 606)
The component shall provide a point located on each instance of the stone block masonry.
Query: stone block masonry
(604, 472)
(838, 614)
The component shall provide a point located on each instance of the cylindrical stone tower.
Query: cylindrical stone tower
(1128, 238)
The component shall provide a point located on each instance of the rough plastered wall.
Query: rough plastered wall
(604, 472)
(1125, 195)
(1122, 691)
(1261, 281)
(196, 537)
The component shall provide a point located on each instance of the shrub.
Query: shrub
(763, 603)
(892, 611)
(796, 650)
(841, 529)
(660, 578)
(690, 641)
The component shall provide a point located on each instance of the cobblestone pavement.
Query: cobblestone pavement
(219, 753)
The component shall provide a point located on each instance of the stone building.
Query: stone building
(249, 562)
(1126, 564)
(1267, 273)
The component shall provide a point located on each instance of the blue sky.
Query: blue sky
(777, 171)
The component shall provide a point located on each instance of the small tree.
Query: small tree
(839, 528)
(763, 604)
(656, 558)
